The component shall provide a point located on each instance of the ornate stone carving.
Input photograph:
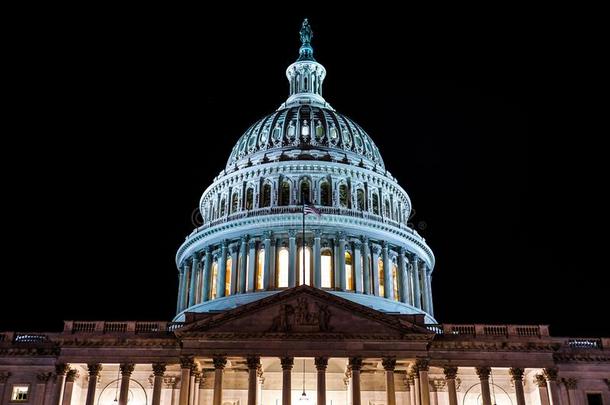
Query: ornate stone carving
(4, 376)
(234, 248)
(321, 363)
(287, 363)
(539, 380)
(62, 369)
(389, 363)
(317, 233)
(267, 235)
(252, 244)
(158, 369)
(302, 318)
(355, 363)
(516, 373)
(202, 380)
(450, 372)
(169, 382)
(186, 362)
(126, 369)
(438, 384)
(421, 365)
(292, 233)
(483, 372)
(72, 375)
(254, 362)
(570, 383)
(94, 369)
(219, 362)
(550, 374)
(43, 377)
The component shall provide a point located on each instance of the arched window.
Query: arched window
(395, 281)
(285, 193)
(325, 195)
(305, 191)
(249, 198)
(222, 207)
(228, 277)
(213, 280)
(307, 262)
(387, 212)
(343, 196)
(282, 268)
(266, 195)
(381, 276)
(375, 203)
(234, 202)
(326, 266)
(349, 272)
(360, 198)
(305, 83)
(260, 269)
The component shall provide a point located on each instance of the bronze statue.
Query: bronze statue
(306, 32)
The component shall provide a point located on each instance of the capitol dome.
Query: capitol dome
(256, 239)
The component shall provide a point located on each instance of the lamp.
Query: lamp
(116, 393)
(304, 398)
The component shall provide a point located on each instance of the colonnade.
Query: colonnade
(334, 261)
(418, 384)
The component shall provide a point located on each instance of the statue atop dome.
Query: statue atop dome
(306, 32)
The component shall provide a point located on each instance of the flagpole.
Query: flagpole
(303, 199)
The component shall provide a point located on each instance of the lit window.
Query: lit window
(249, 198)
(234, 202)
(20, 393)
(285, 193)
(349, 272)
(307, 266)
(326, 264)
(228, 277)
(305, 128)
(381, 278)
(282, 268)
(260, 269)
(213, 281)
(305, 192)
(325, 193)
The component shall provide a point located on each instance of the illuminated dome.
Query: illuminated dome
(255, 239)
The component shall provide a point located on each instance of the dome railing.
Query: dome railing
(297, 209)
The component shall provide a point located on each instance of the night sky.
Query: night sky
(121, 123)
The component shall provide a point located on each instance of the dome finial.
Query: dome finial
(306, 51)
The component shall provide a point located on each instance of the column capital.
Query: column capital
(411, 376)
(365, 240)
(208, 250)
(321, 363)
(219, 362)
(317, 233)
(571, 383)
(267, 235)
(292, 233)
(516, 373)
(450, 372)
(224, 244)
(421, 365)
(244, 239)
(252, 243)
(355, 363)
(158, 369)
(41, 377)
(186, 362)
(202, 380)
(376, 249)
(341, 236)
(389, 363)
(72, 375)
(550, 374)
(127, 369)
(234, 248)
(357, 244)
(539, 380)
(254, 362)
(94, 369)
(483, 372)
(62, 368)
(287, 362)
(4, 376)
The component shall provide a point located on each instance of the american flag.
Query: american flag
(310, 209)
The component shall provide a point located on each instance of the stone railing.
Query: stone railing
(480, 330)
(586, 343)
(131, 327)
(23, 337)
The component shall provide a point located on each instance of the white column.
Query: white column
(416, 282)
(186, 363)
(292, 258)
(159, 372)
(71, 377)
(251, 265)
(357, 263)
(424, 383)
(388, 291)
(201, 392)
(60, 380)
(207, 276)
(483, 373)
(267, 263)
(341, 260)
(450, 374)
(186, 273)
(219, 365)
(376, 249)
(272, 265)
(194, 272)
(389, 364)
(355, 364)
(517, 376)
(94, 372)
(366, 267)
(287, 363)
(222, 271)
(321, 364)
(243, 261)
(543, 392)
(234, 249)
(126, 370)
(317, 267)
(553, 387)
(254, 363)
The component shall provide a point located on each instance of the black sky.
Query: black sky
(120, 123)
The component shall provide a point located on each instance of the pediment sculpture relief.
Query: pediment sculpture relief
(302, 317)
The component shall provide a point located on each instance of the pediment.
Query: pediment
(303, 310)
